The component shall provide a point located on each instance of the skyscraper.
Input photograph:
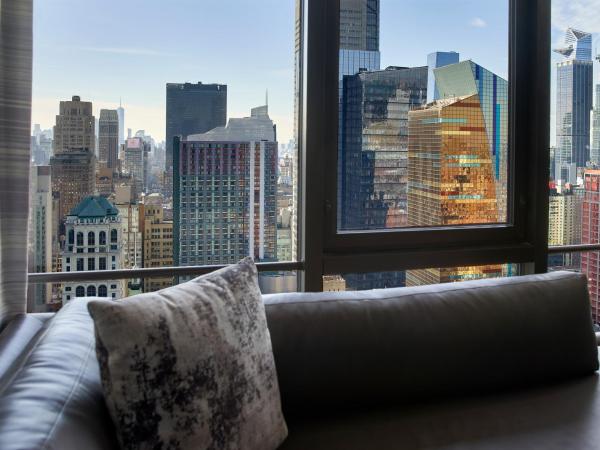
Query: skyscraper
(457, 160)
(121, 114)
(574, 97)
(225, 186)
(75, 127)
(41, 236)
(359, 25)
(590, 234)
(108, 138)
(595, 140)
(74, 161)
(435, 61)
(565, 224)
(467, 79)
(157, 234)
(374, 137)
(135, 162)
(359, 52)
(193, 109)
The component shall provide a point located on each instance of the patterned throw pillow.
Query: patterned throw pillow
(191, 367)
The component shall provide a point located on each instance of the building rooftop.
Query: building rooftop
(257, 127)
(93, 207)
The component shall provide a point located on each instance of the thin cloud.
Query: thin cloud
(478, 22)
(580, 14)
(122, 51)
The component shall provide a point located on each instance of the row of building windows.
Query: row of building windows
(91, 237)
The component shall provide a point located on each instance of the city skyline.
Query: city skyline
(223, 155)
(269, 64)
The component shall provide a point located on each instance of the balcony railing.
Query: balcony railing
(125, 274)
(579, 248)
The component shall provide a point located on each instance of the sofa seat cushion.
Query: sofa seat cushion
(560, 416)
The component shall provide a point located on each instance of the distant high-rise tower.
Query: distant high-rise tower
(40, 236)
(108, 138)
(193, 109)
(135, 162)
(574, 102)
(74, 161)
(595, 140)
(435, 61)
(590, 234)
(225, 193)
(75, 127)
(121, 113)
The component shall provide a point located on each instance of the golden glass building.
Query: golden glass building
(457, 153)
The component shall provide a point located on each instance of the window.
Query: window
(102, 291)
(375, 150)
(91, 291)
(427, 146)
(80, 291)
(423, 138)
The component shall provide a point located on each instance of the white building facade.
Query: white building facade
(93, 242)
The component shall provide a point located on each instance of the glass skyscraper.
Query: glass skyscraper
(359, 52)
(193, 109)
(374, 139)
(595, 141)
(435, 61)
(574, 97)
(457, 160)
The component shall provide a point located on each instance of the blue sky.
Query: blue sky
(106, 49)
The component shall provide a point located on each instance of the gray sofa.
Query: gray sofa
(494, 364)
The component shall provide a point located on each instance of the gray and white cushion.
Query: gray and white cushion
(191, 367)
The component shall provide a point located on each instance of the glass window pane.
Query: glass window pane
(421, 277)
(423, 115)
(110, 190)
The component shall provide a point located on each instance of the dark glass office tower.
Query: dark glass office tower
(574, 102)
(374, 160)
(193, 109)
(374, 157)
(108, 138)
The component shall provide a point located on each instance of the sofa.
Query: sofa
(487, 364)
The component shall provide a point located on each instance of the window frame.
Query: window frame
(326, 251)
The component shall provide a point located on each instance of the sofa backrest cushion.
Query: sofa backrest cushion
(54, 399)
(356, 349)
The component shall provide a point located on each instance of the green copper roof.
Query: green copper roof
(94, 206)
